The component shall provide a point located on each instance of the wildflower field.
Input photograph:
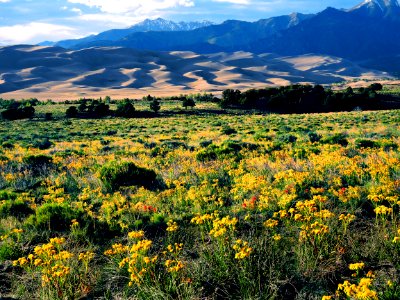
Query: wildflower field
(201, 205)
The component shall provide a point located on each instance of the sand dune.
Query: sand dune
(52, 72)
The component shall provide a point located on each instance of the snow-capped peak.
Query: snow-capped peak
(383, 5)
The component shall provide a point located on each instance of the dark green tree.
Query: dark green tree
(188, 102)
(71, 112)
(155, 105)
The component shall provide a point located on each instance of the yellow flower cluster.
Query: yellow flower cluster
(134, 257)
(52, 262)
(360, 291)
(172, 226)
(271, 223)
(174, 265)
(347, 218)
(242, 249)
(136, 234)
(202, 219)
(396, 239)
(116, 249)
(315, 229)
(222, 225)
(356, 266)
(383, 210)
(175, 249)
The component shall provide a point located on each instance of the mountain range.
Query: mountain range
(366, 32)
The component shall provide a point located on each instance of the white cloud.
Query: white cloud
(76, 10)
(34, 32)
(111, 19)
(4, 1)
(133, 7)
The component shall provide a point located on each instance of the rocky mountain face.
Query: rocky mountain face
(117, 34)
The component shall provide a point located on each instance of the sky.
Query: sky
(34, 21)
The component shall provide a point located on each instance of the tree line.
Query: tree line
(308, 99)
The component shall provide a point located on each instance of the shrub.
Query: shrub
(53, 216)
(10, 251)
(37, 161)
(71, 112)
(389, 145)
(314, 137)
(125, 109)
(287, 139)
(8, 145)
(228, 130)
(18, 209)
(188, 102)
(18, 113)
(48, 116)
(364, 143)
(116, 175)
(155, 105)
(42, 144)
(338, 138)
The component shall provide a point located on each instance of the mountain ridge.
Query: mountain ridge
(147, 25)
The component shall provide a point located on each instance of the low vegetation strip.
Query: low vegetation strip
(200, 206)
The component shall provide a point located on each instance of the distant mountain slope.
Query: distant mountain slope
(145, 26)
(43, 72)
(351, 34)
(230, 35)
(368, 31)
(387, 9)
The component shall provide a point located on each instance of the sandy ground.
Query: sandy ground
(59, 74)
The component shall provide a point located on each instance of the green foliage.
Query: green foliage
(22, 112)
(42, 144)
(37, 161)
(314, 137)
(337, 138)
(53, 216)
(71, 112)
(125, 109)
(365, 143)
(188, 102)
(10, 251)
(228, 130)
(115, 175)
(15, 208)
(155, 106)
(306, 98)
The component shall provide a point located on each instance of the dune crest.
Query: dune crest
(53, 72)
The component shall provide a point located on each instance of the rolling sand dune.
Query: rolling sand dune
(52, 72)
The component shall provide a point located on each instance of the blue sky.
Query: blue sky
(32, 21)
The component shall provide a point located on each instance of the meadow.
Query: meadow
(200, 204)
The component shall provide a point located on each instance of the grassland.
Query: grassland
(201, 205)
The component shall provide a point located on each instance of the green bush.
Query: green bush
(229, 149)
(115, 175)
(37, 161)
(42, 144)
(364, 143)
(125, 109)
(18, 209)
(37, 164)
(71, 112)
(314, 137)
(228, 130)
(10, 251)
(337, 138)
(52, 216)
